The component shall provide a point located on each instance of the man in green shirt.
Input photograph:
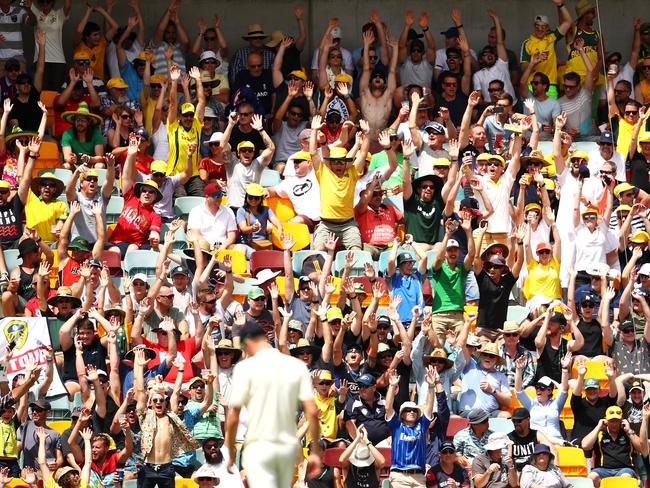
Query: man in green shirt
(448, 280)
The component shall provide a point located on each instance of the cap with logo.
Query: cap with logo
(614, 413)
(591, 383)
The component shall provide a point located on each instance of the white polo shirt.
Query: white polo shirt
(499, 194)
(213, 228)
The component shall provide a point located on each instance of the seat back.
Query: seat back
(572, 461)
(273, 260)
(238, 260)
(299, 233)
(360, 258)
(619, 482)
(282, 208)
(114, 209)
(141, 261)
(331, 456)
(183, 205)
(12, 259)
(270, 177)
(300, 256)
(579, 482)
(455, 425)
(47, 97)
(383, 259)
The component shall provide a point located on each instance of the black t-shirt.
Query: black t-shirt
(253, 136)
(437, 478)
(639, 172)
(262, 87)
(404, 372)
(12, 215)
(587, 415)
(593, 335)
(493, 303)
(549, 361)
(522, 448)
(103, 424)
(29, 113)
(365, 477)
(613, 453)
(94, 354)
(456, 107)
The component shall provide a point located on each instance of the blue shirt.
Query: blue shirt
(410, 289)
(409, 443)
(473, 396)
(132, 79)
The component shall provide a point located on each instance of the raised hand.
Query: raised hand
(256, 123)
(393, 378)
(384, 139)
(308, 89)
(520, 362)
(423, 20)
(409, 18)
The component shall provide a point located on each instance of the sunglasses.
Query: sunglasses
(50, 184)
(427, 187)
(4, 191)
(295, 114)
(224, 353)
(447, 451)
(155, 86)
(541, 387)
(570, 87)
(204, 478)
(92, 179)
(631, 112)
(437, 361)
(245, 114)
(543, 251)
(535, 164)
(336, 56)
(494, 163)
(383, 327)
(588, 305)
(510, 334)
(83, 62)
(493, 266)
(411, 410)
(125, 116)
(602, 172)
(589, 217)
(518, 421)
(246, 150)
(325, 383)
(628, 331)
(645, 67)
(253, 197)
(158, 400)
(494, 90)
(258, 299)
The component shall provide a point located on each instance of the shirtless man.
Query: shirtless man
(164, 435)
(376, 90)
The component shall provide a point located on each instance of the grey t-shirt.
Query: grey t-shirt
(27, 436)
(239, 176)
(84, 223)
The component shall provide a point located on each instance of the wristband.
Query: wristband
(560, 6)
(425, 29)
(459, 26)
(532, 113)
(314, 302)
(352, 297)
(127, 293)
(373, 281)
(34, 156)
(520, 243)
(80, 353)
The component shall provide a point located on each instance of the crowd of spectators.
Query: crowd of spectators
(452, 236)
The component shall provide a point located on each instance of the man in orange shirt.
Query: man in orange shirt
(88, 37)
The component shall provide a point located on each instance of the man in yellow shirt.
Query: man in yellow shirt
(543, 41)
(181, 133)
(338, 179)
(45, 214)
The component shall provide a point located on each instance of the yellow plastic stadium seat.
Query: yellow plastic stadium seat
(572, 461)
(49, 155)
(238, 260)
(47, 97)
(619, 482)
(299, 232)
(595, 369)
(185, 483)
(282, 208)
(59, 425)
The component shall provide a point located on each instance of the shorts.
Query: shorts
(610, 472)
(441, 322)
(124, 246)
(347, 232)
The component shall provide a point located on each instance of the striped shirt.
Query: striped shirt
(160, 62)
(10, 28)
(408, 449)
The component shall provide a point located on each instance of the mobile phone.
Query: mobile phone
(498, 110)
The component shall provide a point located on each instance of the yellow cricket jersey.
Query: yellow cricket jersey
(546, 44)
(179, 140)
(337, 194)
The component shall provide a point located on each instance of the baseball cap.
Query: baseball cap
(116, 83)
(366, 379)
(212, 190)
(452, 243)
(591, 383)
(588, 299)
(614, 413)
(255, 292)
(545, 381)
(139, 276)
(636, 385)
(405, 257)
(520, 413)
(606, 138)
(334, 313)
(182, 270)
(626, 325)
(187, 108)
(95, 263)
(558, 318)
(542, 18)
(450, 33)
(447, 446)
(435, 127)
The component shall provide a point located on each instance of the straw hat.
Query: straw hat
(82, 111)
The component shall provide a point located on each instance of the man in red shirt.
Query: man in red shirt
(138, 226)
(104, 461)
(377, 222)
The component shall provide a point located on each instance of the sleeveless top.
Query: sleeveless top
(25, 288)
(365, 477)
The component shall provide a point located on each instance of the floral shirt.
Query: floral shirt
(181, 439)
